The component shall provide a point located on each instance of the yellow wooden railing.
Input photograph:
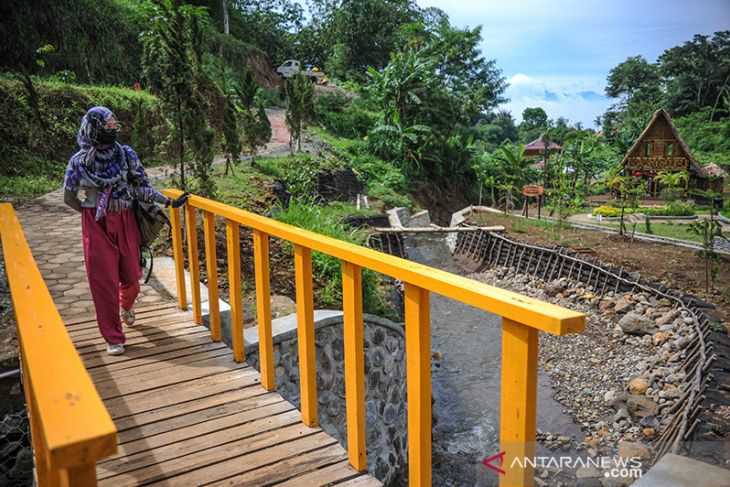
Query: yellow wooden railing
(70, 427)
(522, 317)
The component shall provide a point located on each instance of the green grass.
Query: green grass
(662, 230)
(327, 270)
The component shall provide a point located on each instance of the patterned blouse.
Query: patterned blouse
(127, 183)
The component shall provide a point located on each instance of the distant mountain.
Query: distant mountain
(550, 96)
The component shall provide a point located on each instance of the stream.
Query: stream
(466, 381)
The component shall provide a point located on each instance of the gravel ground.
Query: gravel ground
(617, 379)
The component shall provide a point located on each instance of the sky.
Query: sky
(556, 54)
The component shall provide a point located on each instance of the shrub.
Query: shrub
(607, 211)
(675, 208)
(343, 117)
(327, 270)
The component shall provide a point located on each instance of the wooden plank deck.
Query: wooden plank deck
(187, 414)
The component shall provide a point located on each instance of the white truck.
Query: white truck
(292, 67)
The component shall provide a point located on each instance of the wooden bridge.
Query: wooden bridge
(178, 409)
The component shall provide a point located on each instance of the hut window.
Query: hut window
(670, 149)
(647, 149)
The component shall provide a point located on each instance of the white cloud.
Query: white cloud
(576, 100)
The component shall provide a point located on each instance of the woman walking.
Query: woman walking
(111, 176)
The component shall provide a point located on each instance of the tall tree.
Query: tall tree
(634, 77)
(172, 62)
(697, 73)
(534, 123)
(299, 107)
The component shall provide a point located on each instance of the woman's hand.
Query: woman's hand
(179, 201)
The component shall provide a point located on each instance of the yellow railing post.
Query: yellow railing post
(192, 234)
(518, 403)
(177, 252)
(418, 370)
(263, 307)
(211, 265)
(233, 239)
(354, 364)
(78, 476)
(70, 427)
(305, 334)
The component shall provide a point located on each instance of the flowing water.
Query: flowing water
(466, 374)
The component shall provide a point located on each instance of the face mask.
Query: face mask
(106, 136)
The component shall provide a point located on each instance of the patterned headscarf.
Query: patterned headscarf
(101, 168)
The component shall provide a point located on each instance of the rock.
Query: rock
(631, 449)
(609, 396)
(634, 276)
(641, 406)
(563, 440)
(667, 317)
(591, 441)
(634, 324)
(638, 386)
(688, 320)
(649, 433)
(683, 342)
(668, 327)
(659, 337)
(588, 472)
(671, 393)
(282, 306)
(555, 287)
(621, 414)
(622, 305)
(649, 422)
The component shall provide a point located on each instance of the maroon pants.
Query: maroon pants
(111, 253)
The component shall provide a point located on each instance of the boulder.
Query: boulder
(588, 472)
(631, 449)
(638, 386)
(659, 337)
(641, 406)
(666, 318)
(554, 287)
(635, 324)
(622, 305)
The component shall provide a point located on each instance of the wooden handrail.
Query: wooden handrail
(522, 317)
(70, 427)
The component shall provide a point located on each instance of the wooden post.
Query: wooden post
(263, 307)
(193, 264)
(82, 476)
(354, 364)
(518, 402)
(305, 334)
(177, 252)
(211, 263)
(539, 206)
(233, 239)
(418, 369)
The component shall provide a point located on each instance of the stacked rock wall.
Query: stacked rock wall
(385, 387)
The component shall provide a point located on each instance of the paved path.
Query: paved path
(53, 231)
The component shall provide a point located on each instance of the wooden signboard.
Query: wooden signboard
(533, 190)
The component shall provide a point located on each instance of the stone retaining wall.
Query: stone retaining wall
(385, 384)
